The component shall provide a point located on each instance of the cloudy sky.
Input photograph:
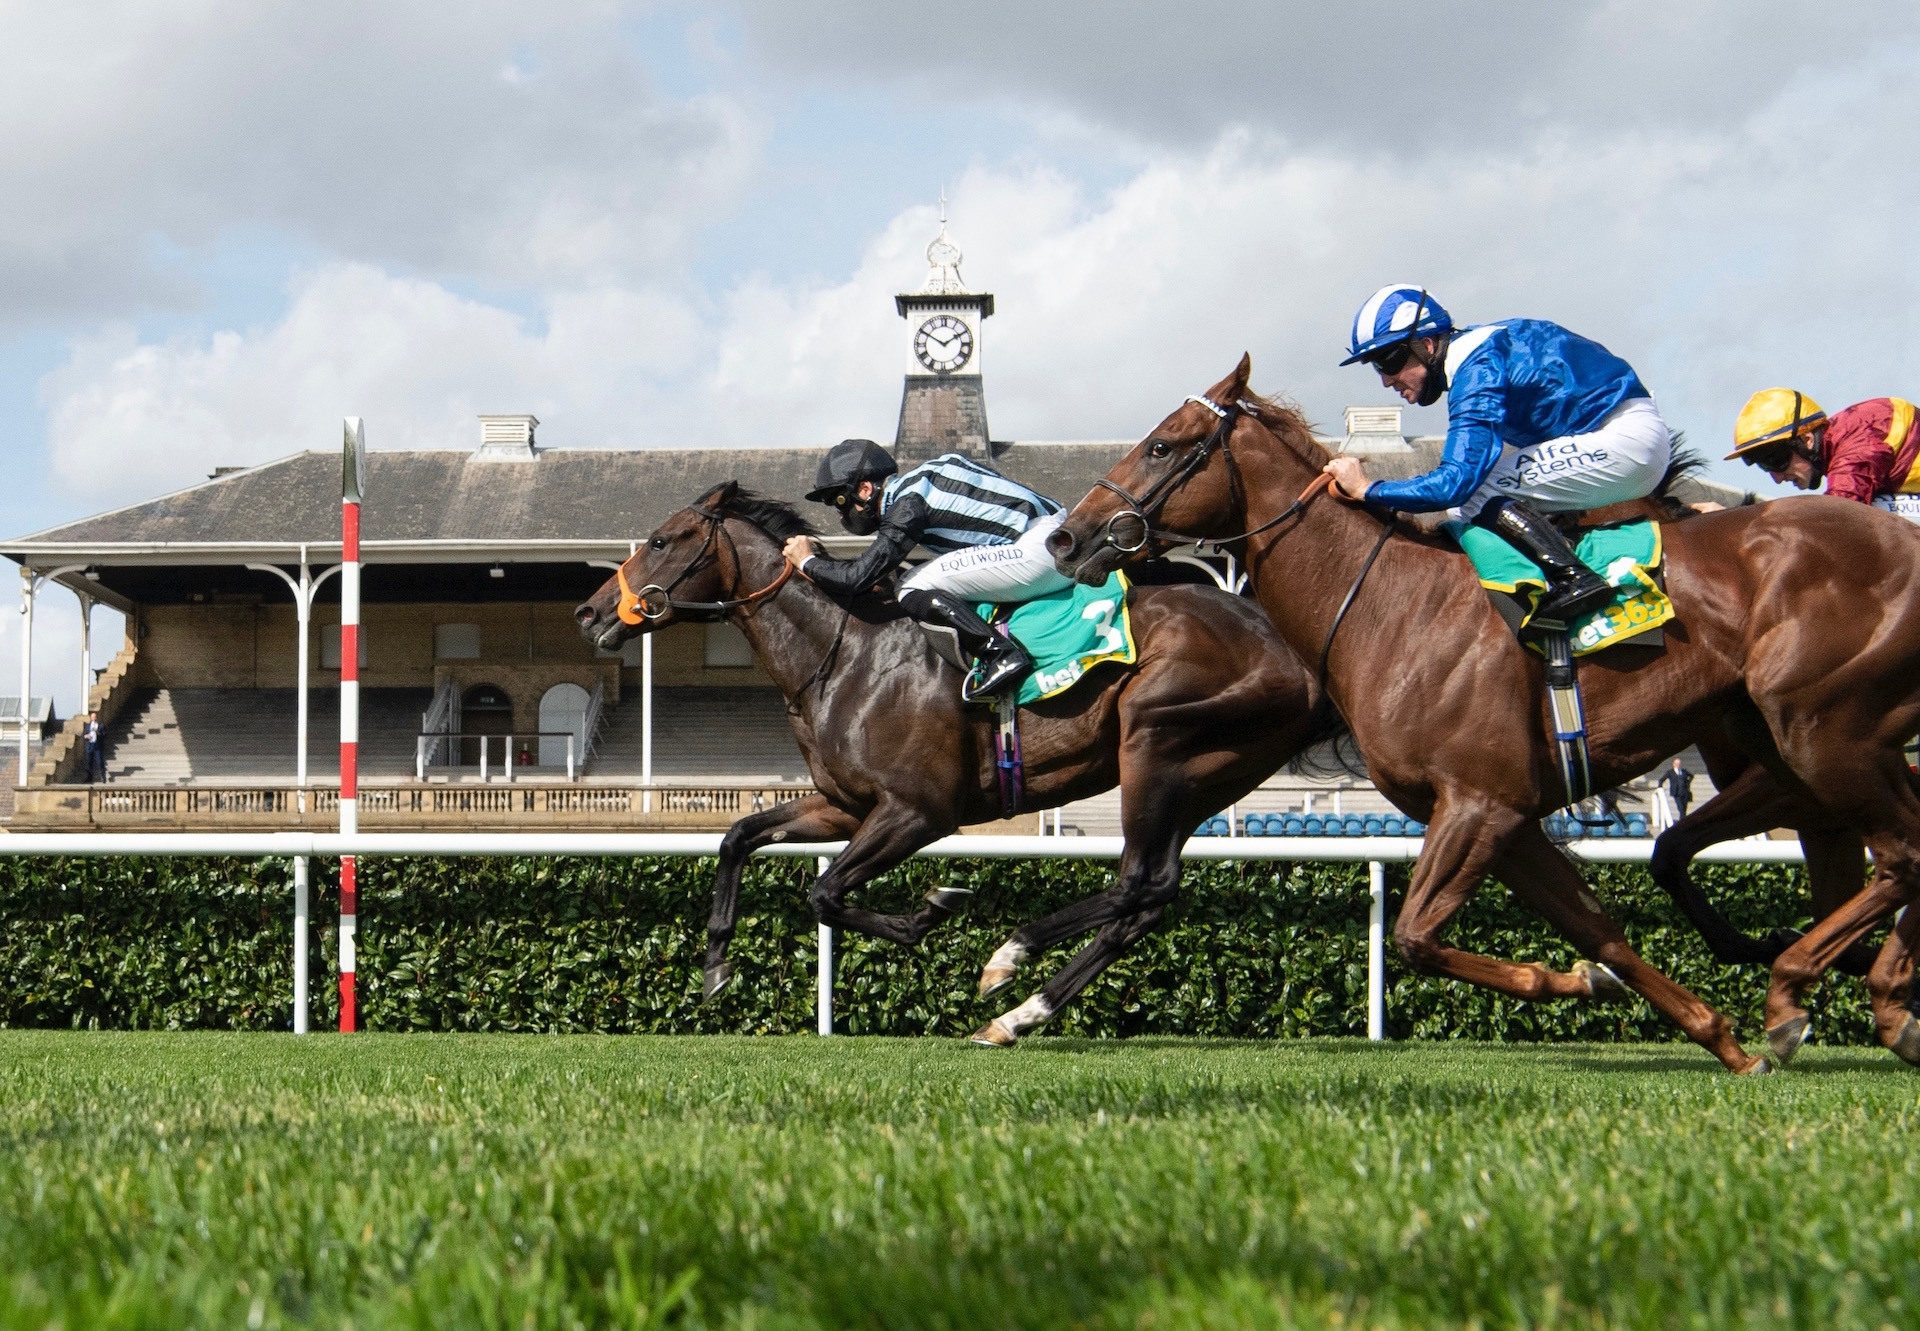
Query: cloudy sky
(653, 225)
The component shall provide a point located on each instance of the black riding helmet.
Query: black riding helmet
(848, 463)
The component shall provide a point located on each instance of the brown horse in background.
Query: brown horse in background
(1798, 636)
(1214, 704)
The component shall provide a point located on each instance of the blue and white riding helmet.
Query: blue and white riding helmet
(1394, 314)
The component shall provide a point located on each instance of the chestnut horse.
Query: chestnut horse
(1214, 703)
(1798, 636)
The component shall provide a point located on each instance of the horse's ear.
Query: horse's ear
(1234, 386)
(719, 496)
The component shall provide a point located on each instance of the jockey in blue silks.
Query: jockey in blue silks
(1539, 420)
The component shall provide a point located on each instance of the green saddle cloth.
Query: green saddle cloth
(1068, 632)
(1627, 555)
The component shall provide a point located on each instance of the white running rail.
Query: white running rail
(1376, 852)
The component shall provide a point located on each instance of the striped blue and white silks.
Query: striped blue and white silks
(1545, 410)
(967, 504)
(1389, 316)
(1015, 572)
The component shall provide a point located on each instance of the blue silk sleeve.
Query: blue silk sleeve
(1476, 407)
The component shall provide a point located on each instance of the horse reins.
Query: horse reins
(1148, 506)
(654, 601)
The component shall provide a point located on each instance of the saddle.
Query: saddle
(1066, 633)
(1627, 555)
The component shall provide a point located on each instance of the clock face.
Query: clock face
(943, 344)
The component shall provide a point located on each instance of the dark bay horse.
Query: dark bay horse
(1798, 637)
(1214, 704)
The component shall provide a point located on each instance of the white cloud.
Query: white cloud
(512, 142)
(1718, 257)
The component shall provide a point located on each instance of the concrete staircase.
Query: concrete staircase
(215, 736)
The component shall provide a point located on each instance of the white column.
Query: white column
(28, 584)
(299, 944)
(646, 723)
(303, 618)
(86, 651)
(823, 1000)
(1377, 951)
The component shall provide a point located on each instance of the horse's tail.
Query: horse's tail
(1330, 750)
(1685, 466)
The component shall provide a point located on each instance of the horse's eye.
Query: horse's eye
(1159, 448)
(658, 543)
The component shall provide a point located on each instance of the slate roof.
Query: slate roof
(562, 495)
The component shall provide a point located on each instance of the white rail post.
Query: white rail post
(1377, 951)
(300, 944)
(823, 1000)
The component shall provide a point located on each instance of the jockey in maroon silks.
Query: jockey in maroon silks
(1865, 453)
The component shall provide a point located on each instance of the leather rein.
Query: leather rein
(1147, 507)
(654, 601)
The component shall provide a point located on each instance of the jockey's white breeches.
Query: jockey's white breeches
(1016, 572)
(1624, 458)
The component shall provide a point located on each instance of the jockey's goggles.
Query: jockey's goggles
(1390, 360)
(1772, 457)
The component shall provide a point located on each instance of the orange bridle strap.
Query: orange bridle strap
(632, 601)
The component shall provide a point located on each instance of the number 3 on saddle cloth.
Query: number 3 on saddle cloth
(1067, 633)
(1626, 555)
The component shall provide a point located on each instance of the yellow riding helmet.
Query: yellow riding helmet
(1773, 416)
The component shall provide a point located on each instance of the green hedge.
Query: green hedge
(1251, 950)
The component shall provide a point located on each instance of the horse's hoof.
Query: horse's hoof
(995, 978)
(996, 1034)
(949, 899)
(1907, 1043)
(1759, 1067)
(1602, 983)
(718, 978)
(1785, 1039)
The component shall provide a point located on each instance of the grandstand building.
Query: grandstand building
(480, 703)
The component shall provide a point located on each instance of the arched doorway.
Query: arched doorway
(563, 707)
(485, 709)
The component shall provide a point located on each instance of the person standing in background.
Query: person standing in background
(96, 751)
(1678, 782)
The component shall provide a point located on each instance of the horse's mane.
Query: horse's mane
(777, 519)
(1284, 418)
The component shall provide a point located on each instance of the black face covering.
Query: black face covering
(1436, 384)
(861, 516)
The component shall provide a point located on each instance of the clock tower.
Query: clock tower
(943, 407)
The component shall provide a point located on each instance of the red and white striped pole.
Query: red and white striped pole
(353, 478)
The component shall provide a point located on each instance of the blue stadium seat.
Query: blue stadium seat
(1294, 825)
(1415, 827)
(1636, 824)
(1374, 826)
(1311, 825)
(1393, 825)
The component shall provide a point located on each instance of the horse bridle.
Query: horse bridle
(654, 601)
(1147, 507)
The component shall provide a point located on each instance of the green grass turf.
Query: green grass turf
(506, 1181)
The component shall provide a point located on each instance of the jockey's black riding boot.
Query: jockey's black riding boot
(1003, 660)
(1573, 589)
